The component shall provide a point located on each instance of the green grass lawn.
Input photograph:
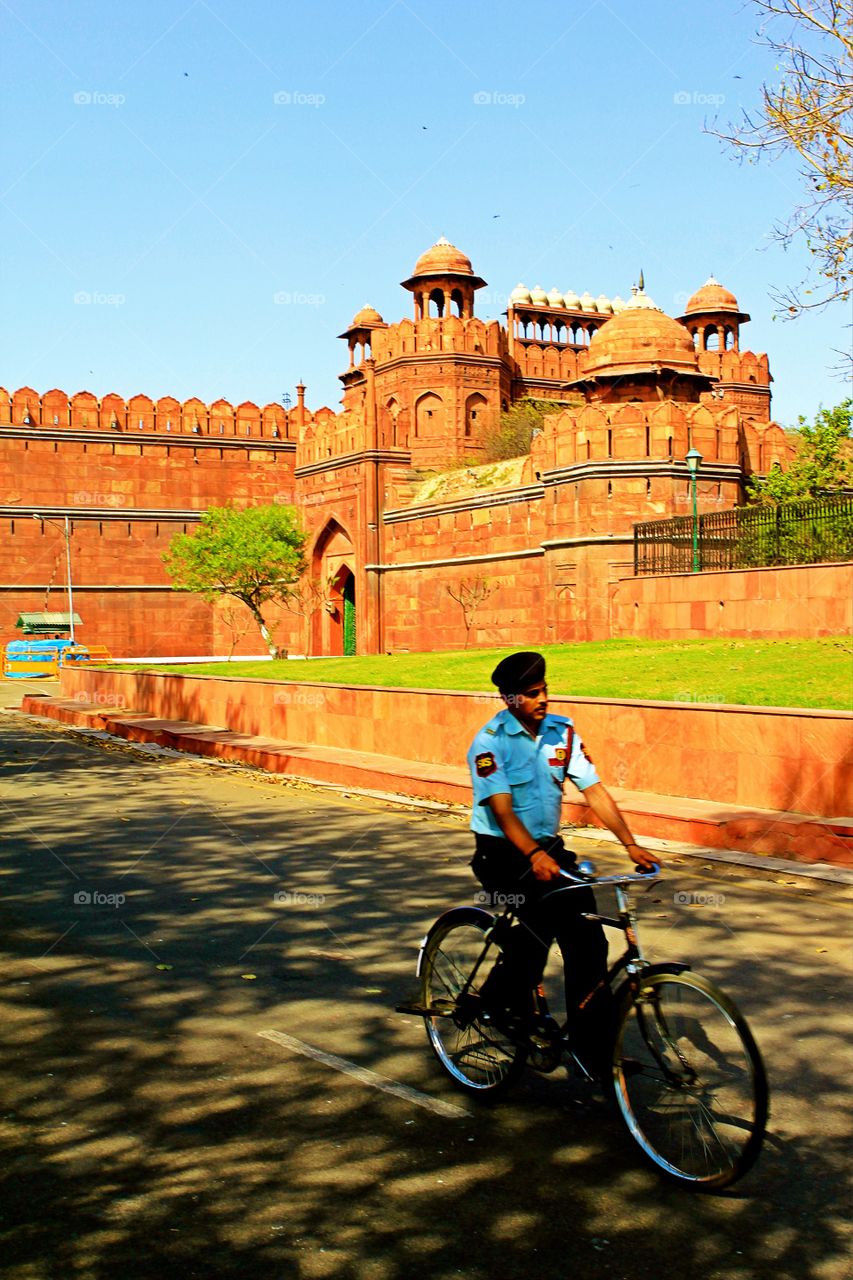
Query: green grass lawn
(776, 673)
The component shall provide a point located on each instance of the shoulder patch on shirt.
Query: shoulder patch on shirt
(559, 756)
(485, 764)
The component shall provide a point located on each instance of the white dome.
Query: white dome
(588, 302)
(618, 304)
(539, 297)
(555, 298)
(572, 300)
(640, 300)
(603, 303)
(520, 294)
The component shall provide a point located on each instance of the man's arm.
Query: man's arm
(544, 867)
(607, 811)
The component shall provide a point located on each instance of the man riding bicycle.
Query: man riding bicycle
(519, 762)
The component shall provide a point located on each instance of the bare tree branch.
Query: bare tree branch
(808, 113)
(469, 594)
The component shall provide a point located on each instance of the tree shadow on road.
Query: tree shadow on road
(151, 1131)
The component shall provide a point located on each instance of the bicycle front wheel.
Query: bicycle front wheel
(479, 1058)
(689, 1080)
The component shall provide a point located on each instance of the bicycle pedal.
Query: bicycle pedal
(544, 1055)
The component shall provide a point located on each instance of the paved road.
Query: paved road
(150, 1128)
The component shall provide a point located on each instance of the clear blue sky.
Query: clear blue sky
(184, 165)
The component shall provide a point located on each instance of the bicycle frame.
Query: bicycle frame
(632, 960)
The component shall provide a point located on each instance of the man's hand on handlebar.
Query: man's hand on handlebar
(645, 861)
(544, 866)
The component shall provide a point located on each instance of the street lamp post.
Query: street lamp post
(45, 520)
(694, 460)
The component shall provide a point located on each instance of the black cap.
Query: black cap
(519, 672)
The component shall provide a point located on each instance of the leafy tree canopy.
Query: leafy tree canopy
(254, 554)
(823, 461)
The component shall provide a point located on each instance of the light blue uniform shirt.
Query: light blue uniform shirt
(504, 758)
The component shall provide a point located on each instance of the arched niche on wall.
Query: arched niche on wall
(475, 414)
(429, 416)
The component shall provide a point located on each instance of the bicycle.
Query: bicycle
(687, 1075)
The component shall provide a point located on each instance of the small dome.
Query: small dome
(640, 301)
(555, 299)
(712, 297)
(538, 296)
(618, 304)
(443, 259)
(603, 303)
(520, 295)
(367, 317)
(588, 302)
(572, 300)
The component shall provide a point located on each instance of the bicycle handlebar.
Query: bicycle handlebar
(639, 877)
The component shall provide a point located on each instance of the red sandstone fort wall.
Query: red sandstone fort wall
(116, 474)
(121, 589)
(132, 623)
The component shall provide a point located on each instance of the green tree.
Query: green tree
(807, 111)
(254, 554)
(823, 460)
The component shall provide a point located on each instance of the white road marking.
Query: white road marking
(439, 1108)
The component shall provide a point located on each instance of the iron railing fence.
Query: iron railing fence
(748, 537)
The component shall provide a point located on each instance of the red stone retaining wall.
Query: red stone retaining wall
(794, 600)
(795, 760)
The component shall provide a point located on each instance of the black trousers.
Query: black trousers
(545, 917)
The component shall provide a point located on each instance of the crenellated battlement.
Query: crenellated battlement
(439, 335)
(659, 432)
(83, 411)
(736, 366)
(330, 435)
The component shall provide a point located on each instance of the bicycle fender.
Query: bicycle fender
(456, 915)
(666, 966)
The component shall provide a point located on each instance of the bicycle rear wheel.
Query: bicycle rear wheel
(479, 1058)
(689, 1080)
